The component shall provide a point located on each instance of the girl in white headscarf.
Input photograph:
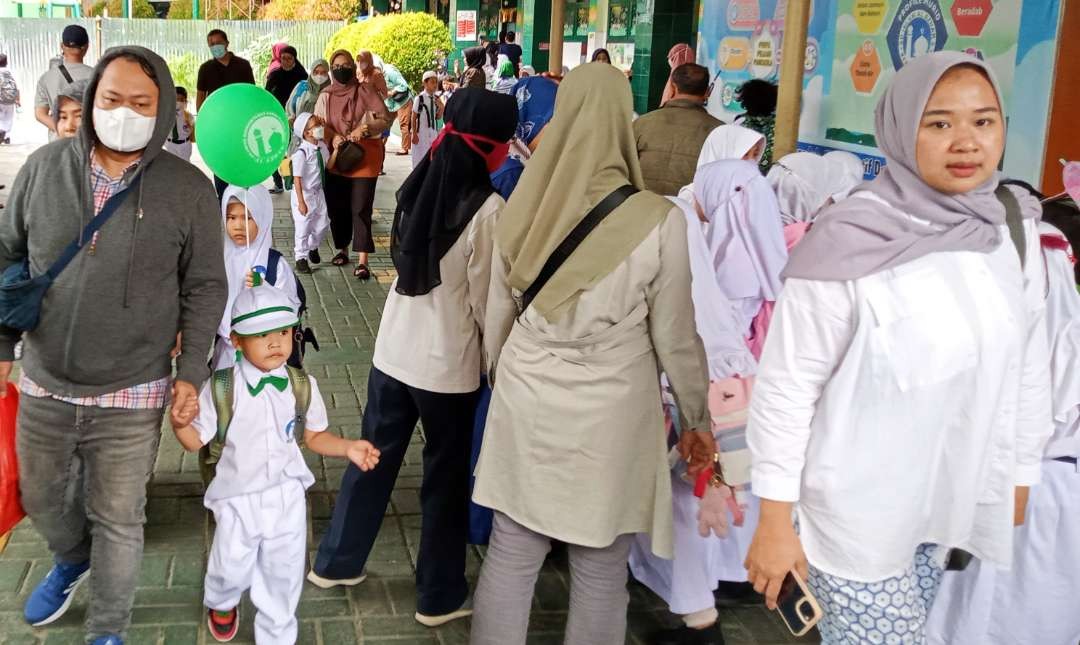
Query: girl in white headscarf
(727, 142)
(248, 251)
(805, 183)
(1034, 602)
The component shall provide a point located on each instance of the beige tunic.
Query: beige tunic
(575, 444)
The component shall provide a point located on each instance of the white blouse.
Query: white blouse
(433, 342)
(903, 407)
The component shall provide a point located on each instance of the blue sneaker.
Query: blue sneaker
(108, 639)
(53, 595)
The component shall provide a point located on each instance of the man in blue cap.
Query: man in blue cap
(74, 43)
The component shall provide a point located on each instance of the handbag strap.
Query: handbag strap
(574, 239)
(88, 232)
(1014, 219)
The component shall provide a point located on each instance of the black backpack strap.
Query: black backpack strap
(66, 74)
(272, 259)
(88, 233)
(1015, 221)
(574, 239)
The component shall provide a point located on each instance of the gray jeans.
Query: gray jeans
(103, 522)
(598, 596)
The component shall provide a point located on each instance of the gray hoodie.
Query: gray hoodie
(110, 319)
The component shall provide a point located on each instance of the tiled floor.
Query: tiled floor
(168, 608)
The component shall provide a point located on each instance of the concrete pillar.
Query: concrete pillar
(536, 32)
(789, 99)
(414, 5)
(670, 22)
(558, 19)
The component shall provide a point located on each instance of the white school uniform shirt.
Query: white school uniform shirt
(183, 132)
(305, 165)
(903, 407)
(260, 450)
(432, 342)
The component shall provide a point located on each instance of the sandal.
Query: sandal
(361, 271)
(341, 259)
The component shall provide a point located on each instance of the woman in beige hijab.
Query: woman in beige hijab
(574, 448)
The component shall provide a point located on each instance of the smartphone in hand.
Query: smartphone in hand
(797, 607)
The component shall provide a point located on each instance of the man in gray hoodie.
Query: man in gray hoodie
(96, 371)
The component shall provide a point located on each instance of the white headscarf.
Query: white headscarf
(717, 322)
(729, 142)
(238, 258)
(853, 171)
(804, 183)
(300, 124)
(744, 233)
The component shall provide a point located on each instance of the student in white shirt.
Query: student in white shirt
(1034, 602)
(257, 493)
(902, 402)
(183, 132)
(310, 218)
(427, 111)
(248, 251)
(427, 361)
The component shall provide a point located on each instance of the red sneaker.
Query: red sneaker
(223, 624)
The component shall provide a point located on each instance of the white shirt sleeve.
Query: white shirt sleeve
(316, 419)
(811, 329)
(478, 267)
(206, 421)
(1034, 423)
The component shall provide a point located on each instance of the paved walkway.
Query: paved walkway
(168, 605)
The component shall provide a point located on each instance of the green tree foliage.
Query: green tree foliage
(409, 41)
(185, 72)
(139, 9)
(310, 10)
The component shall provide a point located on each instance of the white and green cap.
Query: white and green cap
(261, 310)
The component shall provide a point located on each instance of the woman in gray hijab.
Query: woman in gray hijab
(902, 399)
(69, 109)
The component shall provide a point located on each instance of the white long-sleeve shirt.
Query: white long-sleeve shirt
(433, 342)
(903, 407)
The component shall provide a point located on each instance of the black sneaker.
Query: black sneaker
(276, 191)
(314, 257)
(737, 594)
(302, 266)
(688, 636)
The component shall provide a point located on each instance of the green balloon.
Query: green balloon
(242, 134)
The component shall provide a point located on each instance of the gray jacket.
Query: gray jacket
(110, 319)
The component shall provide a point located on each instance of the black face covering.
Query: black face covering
(343, 74)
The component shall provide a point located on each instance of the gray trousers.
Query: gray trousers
(102, 522)
(598, 596)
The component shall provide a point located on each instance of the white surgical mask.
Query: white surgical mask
(218, 51)
(320, 79)
(318, 132)
(123, 129)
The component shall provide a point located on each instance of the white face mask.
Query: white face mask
(320, 79)
(317, 133)
(123, 129)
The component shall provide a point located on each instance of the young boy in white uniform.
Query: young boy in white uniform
(310, 217)
(257, 492)
(183, 133)
(427, 111)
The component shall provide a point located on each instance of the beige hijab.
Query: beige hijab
(587, 152)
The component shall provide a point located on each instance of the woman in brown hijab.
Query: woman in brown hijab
(355, 116)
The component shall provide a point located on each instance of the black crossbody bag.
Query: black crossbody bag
(574, 239)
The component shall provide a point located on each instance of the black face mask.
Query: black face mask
(343, 74)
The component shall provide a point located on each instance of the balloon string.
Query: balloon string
(247, 231)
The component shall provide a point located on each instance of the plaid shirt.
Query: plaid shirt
(146, 396)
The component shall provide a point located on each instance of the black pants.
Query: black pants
(389, 421)
(278, 181)
(350, 202)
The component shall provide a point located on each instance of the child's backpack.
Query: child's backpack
(301, 335)
(221, 384)
(301, 89)
(9, 92)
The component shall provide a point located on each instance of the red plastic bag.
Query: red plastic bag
(11, 510)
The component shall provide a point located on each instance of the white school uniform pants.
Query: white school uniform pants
(1034, 603)
(310, 229)
(420, 150)
(687, 581)
(7, 118)
(260, 544)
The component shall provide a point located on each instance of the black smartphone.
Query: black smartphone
(798, 609)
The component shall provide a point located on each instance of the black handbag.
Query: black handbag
(21, 294)
(350, 156)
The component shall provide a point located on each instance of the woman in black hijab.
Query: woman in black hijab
(427, 361)
(474, 75)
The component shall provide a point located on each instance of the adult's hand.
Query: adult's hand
(184, 403)
(697, 448)
(5, 374)
(1020, 509)
(774, 552)
(338, 140)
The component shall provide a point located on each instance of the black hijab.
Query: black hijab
(443, 193)
(474, 56)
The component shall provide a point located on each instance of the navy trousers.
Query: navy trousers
(393, 409)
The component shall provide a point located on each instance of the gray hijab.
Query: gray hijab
(860, 236)
(75, 91)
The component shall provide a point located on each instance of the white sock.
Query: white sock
(701, 619)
